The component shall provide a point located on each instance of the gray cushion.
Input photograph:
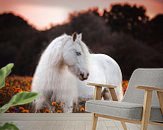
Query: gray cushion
(122, 109)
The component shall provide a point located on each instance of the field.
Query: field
(17, 84)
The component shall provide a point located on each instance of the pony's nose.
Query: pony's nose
(87, 75)
(84, 76)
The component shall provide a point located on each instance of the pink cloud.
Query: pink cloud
(41, 13)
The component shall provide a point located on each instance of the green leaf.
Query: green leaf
(19, 99)
(5, 107)
(23, 98)
(4, 72)
(8, 126)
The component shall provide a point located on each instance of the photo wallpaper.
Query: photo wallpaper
(58, 43)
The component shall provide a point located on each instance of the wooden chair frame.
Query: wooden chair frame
(146, 106)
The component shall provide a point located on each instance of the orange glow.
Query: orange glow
(42, 17)
(43, 14)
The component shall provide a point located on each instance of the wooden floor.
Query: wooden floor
(46, 121)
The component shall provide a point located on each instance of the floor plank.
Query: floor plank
(55, 121)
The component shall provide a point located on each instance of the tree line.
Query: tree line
(124, 32)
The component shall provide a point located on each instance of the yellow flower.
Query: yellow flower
(59, 111)
(25, 111)
(54, 103)
(82, 109)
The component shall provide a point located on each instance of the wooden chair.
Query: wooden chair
(138, 106)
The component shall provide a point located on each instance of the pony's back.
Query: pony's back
(105, 70)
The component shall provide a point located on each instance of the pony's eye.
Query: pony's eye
(78, 53)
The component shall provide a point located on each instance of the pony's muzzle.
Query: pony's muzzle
(84, 76)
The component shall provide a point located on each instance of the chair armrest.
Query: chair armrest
(101, 85)
(98, 90)
(147, 88)
(159, 94)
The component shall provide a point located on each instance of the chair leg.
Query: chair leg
(124, 125)
(160, 98)
(94, 121)
(146, 110)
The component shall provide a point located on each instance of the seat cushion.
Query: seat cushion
(125, 110)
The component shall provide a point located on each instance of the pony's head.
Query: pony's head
(75, 55)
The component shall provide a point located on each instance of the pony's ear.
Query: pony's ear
(74, 36)
(80, 36)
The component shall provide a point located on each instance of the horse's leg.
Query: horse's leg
(106, 94)
(75, 105)
(68, 107)
(39, 103)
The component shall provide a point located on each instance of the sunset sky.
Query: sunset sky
(41, 13)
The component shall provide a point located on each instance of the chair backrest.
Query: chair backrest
(144, 77)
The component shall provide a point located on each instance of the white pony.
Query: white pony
(63, 67)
